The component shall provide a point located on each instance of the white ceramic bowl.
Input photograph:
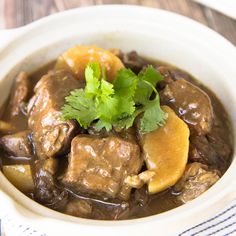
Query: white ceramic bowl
(153, 33)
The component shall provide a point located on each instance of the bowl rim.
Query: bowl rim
(194, 205)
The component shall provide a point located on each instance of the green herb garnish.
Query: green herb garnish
(116, 104)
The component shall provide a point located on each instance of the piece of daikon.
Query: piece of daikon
(166, 152)
(77, 58)
(6, 127)
(20, 176)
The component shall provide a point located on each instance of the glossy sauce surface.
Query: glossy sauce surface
(140, 204)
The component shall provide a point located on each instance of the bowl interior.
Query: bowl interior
(154, 34)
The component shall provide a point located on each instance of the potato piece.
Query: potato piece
(77, 58)
(20, 176)
(166, 152)
(6, 127)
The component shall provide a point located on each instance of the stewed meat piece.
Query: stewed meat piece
(46, 190)
(17, 144)
(168, 77)
(99, 165)
(132, 60)
(113, 174)
(80, 208)
(19, 94)
(191, 104)
(196, 179)
(209, 140)
(211, 149)
(51, 135)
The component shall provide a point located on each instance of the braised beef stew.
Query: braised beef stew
(112, 174)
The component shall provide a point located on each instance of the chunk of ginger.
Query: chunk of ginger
(76, 59)
(166, 152)
(20, 176)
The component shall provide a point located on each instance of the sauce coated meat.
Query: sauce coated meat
(112, 174)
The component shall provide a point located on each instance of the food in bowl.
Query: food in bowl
(108, 135)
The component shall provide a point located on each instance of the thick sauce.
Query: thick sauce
(141, 204)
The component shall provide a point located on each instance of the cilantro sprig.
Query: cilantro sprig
(116, 104)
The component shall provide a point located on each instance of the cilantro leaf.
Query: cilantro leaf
(103, 124)
(125, 106)
(92, 76)
(125, 117)
(151, 75)
(106, 88)
(107, 108)
(153, 116)
(116, 104)
(125, 83)
(79, 107)
(148, 80)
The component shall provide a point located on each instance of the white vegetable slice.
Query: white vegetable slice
(77, 58)
(166, 152)
(20, 176)
(6, 127)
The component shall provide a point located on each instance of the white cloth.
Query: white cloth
(14, 227)
(222, 224)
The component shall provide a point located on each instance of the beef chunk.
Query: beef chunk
(201, 151)
(99, 165)
(177, 74)
(51, 135)
(196, 179)
(17, 144)
(46, 190)
(209, 140)
(168, 78)
(191, 104)
(133, 61)
(79, 208)
(19, 94)
(211, 149)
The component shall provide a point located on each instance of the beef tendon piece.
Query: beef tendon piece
(211, 149)
(51, 135)
(191, 104)
(132, 60)
(17, 144)
(201, 150)
(46, 190)
(196, 179)
(19, 94)
(168, 78)
(99, 166)
(79, 208)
